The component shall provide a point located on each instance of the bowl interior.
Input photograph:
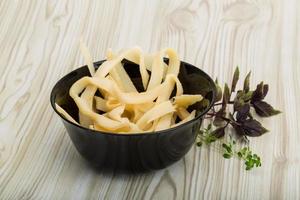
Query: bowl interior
(194, 81)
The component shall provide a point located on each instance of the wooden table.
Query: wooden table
(39, 44)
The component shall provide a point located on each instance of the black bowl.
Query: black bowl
(136, 152)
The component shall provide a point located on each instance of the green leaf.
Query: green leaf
(249, 156)
(250, 163)
(239, 94)
(241, 98)
(226, 93)
(227, 156)
(199, 144)
(224, 145)
(251, 160)
(235, 79)
(247, 96)
(248, 168)
(253, 128)
(247, 83)
(226, 96)
(240, 155)
(227, 148)
(238, 104)
(219, 91)
(210, 139)
(244, 150)
(219, 132)
(258, 163)
(264, 109)
(200, 132)
(209, 127)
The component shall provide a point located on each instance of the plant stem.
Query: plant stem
(211, 114)
(218, 104)
(226, 119)
(228, 122)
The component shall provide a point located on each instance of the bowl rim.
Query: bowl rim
(205, 75)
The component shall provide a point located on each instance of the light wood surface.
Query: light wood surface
(39, 44)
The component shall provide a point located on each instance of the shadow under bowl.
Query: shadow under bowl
(140, 151)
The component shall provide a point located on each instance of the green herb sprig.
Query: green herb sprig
(237, 112)
(251, 160)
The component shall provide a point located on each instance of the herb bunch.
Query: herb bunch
(237, 112)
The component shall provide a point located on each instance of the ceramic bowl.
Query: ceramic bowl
(140, 151)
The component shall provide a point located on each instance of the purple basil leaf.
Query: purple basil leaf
(219, 132)
(264, 109)
(260, 92)
(218, 121)
(226, 96)
(247, 82)
(235, 79)
(238, 129)
(257, 94)
(243, 112)
(265, 90)
(253, 128)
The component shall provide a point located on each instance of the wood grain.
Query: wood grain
(39, 44)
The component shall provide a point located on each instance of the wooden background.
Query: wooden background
(39, 44)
